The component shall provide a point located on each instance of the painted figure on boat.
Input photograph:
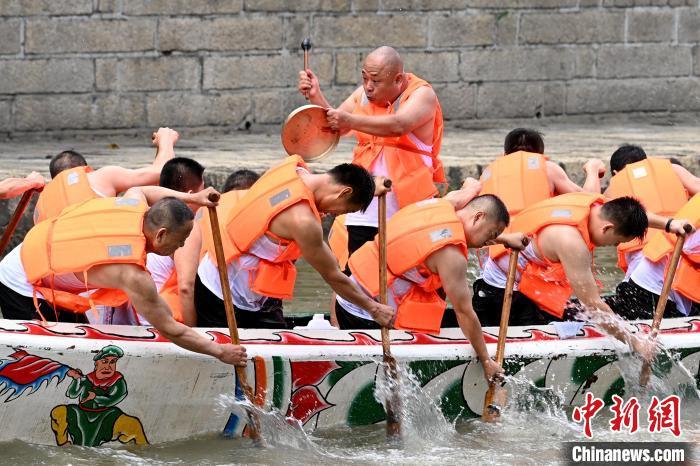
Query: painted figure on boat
(96, 419)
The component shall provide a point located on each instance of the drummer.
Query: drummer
(397, 120)
(276, 222)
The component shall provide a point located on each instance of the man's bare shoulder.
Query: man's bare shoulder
(447, 258)
(561, 238)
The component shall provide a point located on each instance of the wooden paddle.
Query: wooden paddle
(495, 397)
(306, 46)
(661, 304)
(254, 421)
(14, 221)
(393, 422)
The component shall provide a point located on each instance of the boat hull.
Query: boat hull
(156, 392)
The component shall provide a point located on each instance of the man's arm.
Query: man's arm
(112, 180)
(574, 256)
(186, 261)
(306, 231)
(139, 287)
(152, 194)
(677, 226)
(451, 265)
(690, 182)
(13, 187)
(418, 110)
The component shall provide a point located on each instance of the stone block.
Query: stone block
(297, 5)
(188, 110)
(268, 107)
(519, 64)
(521, 3)
(689, 25)
(118, 111)
(5, 115)
(650, 26)
(633, 95)
(696, 61)
(296, 28)
(39, 76)
(235, 33)
(506, 28)
(588, 3)
(89, 35)
(365, 5)
(554, 95)
(458, 101)
(586, 26)
(348, 68)
(10, 36)
(44, 7)
(108, 6)
(181, 7)
(262, 71)
(585, 62)
(46, 112)
(147, 74)
(619, 61)
(413, 5)
(433, 67)
(510, 100)
(620, 3)
(459, 30)
(371, 31)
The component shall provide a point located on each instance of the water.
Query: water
(532, 430)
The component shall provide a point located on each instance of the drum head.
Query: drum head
(306, 133)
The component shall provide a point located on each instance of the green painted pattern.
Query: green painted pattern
(345, 368)
(364, 409)
(278, 385)
(425, 371)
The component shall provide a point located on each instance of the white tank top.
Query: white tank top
(160, 268)
(396, 291)
(495, 273)
(13, 276)
(369, 218)
(650, 275)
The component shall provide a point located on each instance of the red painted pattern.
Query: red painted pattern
(358, 338)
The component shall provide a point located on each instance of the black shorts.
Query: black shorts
(347, 321)
(631, 301)
(18, 307)
(212, 313)
(359, 235)
(488, 304)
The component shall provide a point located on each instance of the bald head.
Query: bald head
(388, 58)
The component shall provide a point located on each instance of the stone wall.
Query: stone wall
(136, 64)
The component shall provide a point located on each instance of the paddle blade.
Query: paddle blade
(393, 402)
(495, 400)
(645, 375)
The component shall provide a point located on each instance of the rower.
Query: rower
(99, 247)
(397, 120)
(173, 275)
(13, 187)
(276, 222)
(660, 185)
(636, 297)
(566, 229)
(427, 247)
(73, 181)
(240, 180)
(524, 175)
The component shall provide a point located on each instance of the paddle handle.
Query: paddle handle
(505, 310)
(306, 46)
(230, 314)
(495, 395)
(661, 304)
(16, 217)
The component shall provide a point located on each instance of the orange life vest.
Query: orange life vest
(95, 232)
(413, 181)
(67, 188)
(338, 241)
(660, 245)
(546, 284)
(657, 187)
(519, 180)
(413, 234)
(249, 219)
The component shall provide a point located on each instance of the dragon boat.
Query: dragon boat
(92, 385)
